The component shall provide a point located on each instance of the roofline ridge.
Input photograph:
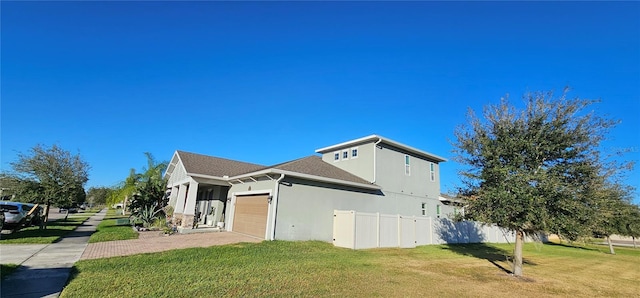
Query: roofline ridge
(211, 156)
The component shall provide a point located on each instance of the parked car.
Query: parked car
(15, 214)
(68, 209)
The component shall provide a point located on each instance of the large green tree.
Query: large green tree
(98, 195)
(631, 222)
(50, 176)
(532, 169)
(612, 206)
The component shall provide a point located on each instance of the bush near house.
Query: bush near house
(312, 269)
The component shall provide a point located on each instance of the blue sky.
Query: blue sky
(268, 82)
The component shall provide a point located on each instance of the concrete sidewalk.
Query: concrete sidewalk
(45, 268)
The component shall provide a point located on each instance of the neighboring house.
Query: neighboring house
(295, 200)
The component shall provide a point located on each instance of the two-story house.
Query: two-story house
(295, 200)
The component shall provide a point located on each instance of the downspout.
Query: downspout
(375, 148)
(275, 207)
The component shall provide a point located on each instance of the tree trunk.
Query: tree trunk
(610, 246)
(517, 254)
(634, 241)
(46, 215)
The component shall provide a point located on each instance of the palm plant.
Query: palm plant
(147, 215)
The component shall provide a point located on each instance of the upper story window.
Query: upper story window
(424, 209)
(407, 166)
(432, 172)
(336, 156)
(354, 152)
(438, 211)
(345, 154)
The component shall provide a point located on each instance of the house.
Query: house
(295, 200)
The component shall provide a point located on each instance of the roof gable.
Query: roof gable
(214, 166)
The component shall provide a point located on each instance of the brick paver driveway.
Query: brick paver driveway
(156, 242)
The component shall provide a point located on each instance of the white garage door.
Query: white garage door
(250, 216)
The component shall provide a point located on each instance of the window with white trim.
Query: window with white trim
(438, 211)
(424, 209)
(336, 156)
(432, 173)
(354, 152)
(407, 167)
(345, 154)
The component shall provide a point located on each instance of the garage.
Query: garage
(250, 215)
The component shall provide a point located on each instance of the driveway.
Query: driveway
(156, 242)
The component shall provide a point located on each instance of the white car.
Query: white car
(14, 214)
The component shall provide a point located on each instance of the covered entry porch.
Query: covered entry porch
(199, 203)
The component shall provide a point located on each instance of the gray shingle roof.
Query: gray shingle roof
(215, 166)
(219, 167)
(314, 165)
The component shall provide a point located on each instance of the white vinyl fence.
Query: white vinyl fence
(359, 230)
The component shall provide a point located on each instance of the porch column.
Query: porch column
(179, 208)
(173, 198)
(188, 213)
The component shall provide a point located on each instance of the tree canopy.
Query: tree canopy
(535, 169)
(49, 175)
(98, 195)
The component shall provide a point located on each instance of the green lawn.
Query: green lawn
(6, 269)
(109, 230)
(311, 269)
(55, 230)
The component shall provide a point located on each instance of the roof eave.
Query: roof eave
(384, 140)
(348, 143)
(308, 177)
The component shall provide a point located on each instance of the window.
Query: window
(433, 172)
(424, 209)
(354, 152)
(438, 211)
(407, 168)
(336, 156)
(345, 154)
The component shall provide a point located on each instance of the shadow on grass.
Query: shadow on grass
(482, 251)
(25, 234)
(574, 246)
(34, 235)
(486, 252)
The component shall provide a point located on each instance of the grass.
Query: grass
(109, 230)
(55, 230)
(311, 269)
(6, 269)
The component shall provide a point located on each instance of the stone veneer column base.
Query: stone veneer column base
(176, 219)
(187, 221)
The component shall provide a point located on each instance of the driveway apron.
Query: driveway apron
(45, 269)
